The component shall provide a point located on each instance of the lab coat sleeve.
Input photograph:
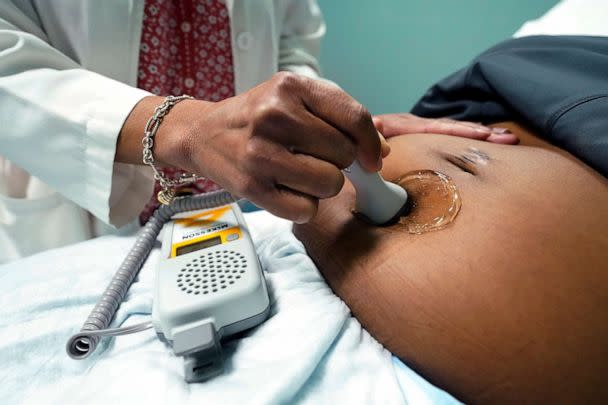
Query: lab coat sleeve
(302, 31)
(61, 122)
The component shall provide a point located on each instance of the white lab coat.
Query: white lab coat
(67, 71)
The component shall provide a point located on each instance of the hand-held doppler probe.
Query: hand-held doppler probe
(380, 201)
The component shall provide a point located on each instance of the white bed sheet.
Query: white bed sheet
(570, 17)
(311, 350)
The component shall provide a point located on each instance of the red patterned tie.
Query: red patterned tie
(185, 49)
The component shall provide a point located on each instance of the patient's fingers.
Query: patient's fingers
(504, 138)
(401, 124)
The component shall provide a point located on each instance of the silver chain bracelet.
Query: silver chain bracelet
(167, 194)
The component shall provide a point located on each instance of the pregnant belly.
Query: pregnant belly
(480, 306)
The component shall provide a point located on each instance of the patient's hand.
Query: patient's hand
(399, 124)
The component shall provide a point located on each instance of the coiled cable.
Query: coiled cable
(83, 343)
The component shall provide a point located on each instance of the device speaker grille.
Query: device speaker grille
(211, 272)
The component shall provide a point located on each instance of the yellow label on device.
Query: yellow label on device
(204, 229)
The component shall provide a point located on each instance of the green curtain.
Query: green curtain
(386, 53)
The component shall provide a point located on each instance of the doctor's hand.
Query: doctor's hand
(281, 145)
(401, 124)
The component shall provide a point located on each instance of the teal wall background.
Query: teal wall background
(386, 53)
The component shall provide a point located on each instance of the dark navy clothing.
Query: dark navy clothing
(557, 85)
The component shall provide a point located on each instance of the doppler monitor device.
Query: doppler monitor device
(209, 285)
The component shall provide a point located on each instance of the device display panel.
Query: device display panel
(182, 250)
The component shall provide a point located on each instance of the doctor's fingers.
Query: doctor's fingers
(312, 136)
(332, 105)
(310, 176)
(281, 201)
(289, 204)
(299, 182)
(307, 134)
(302, 173)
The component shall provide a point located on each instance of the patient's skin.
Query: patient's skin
(509, 303)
